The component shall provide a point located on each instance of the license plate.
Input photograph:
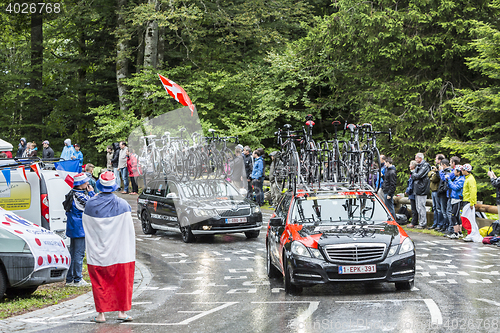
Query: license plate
(360, 269)
(236, 220)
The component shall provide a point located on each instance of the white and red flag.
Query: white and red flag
(22, 172)
(176, 91)
(36, 168)
(469, 223)
(110, 245)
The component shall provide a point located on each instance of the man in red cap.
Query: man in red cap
(82, 192)
(110, 241)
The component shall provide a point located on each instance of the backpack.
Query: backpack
(68, 201)
(443, 186)
(403, 210)
(494, 229)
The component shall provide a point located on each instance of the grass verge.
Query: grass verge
(45, 295)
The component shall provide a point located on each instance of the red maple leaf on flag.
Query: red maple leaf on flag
(176, 91)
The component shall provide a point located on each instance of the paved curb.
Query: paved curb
(73, 310)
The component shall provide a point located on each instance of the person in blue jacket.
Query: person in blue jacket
(78, 155)
(258, 177)
(68, 150)
(456, 186)
(82, 192)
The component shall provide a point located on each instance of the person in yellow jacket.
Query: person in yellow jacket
(469, 200)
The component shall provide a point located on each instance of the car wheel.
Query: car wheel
(272, 271)
(406, 285)
(252, 234)
(146, 224)
(187, 234)
(3, 282)
(289, 287)
(13, 292)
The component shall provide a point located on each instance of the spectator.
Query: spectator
(33, 152)
(444, 195)
(248, 160)
(21, 147)
(3, 155)
(411, 196)
(133, 171)
(27, 150)
(89, 170)
(68, 151)
(110, 242)
(421, 184)
(389, 185)
(258, 177)
(122, 165)
(109, 157)
(456, 185)
(47, 151)
(82, 192)
(114, 162)
(78, 155)
(238, 177)
(434, 185)
(495, 182)
(454, 161)
(469, 200)
(275, 193)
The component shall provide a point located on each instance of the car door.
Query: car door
(171, 199)
(151, 202)
(276, 232)
(159, 204)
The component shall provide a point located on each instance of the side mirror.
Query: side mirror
(171, 195)
(276, 221)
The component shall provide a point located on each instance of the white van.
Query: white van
(38, 200)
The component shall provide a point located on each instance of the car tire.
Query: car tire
(22, 292)
(146, 224)
(187, 234)
(3, 282)
(289, 287)
(272, 271)
(406, 285)
(252, 234)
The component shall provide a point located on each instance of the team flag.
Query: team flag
(176, 91)
(6, 175)
(469, 223)
(22, 172)
(110, 246)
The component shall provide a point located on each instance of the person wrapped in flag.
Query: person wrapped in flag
(110, 241)
(469, 211)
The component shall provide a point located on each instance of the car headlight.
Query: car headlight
(255, 209)
(204, 212)
(316, 253)
(406, 246)
(392, 250)
(300, 249)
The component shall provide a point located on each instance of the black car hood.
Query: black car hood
(217, 203)
(333, 234)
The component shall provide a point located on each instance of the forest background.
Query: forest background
(427, 69)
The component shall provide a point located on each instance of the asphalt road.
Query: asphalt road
(219, 284)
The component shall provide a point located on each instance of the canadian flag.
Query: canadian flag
(177, 92)
(469, 223)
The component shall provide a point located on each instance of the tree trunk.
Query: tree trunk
(151, 41)
(37, 108)
(140, 50)
(161, 46)
(122, 59)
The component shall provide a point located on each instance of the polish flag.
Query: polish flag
(176, 91)
(110, 246)
(36, 168)
(469, 223)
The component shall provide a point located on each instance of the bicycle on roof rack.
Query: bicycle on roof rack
(371, 167)
(287, 169)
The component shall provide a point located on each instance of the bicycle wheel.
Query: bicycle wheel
(228, 161)
(336, 173)
(375, 169)
(178, 164)
(279, 173)
(345, 163)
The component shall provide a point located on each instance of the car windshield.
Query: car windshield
(358, 208)
(209, 189)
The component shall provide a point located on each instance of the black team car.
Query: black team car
(337, 233)
(198, 207)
